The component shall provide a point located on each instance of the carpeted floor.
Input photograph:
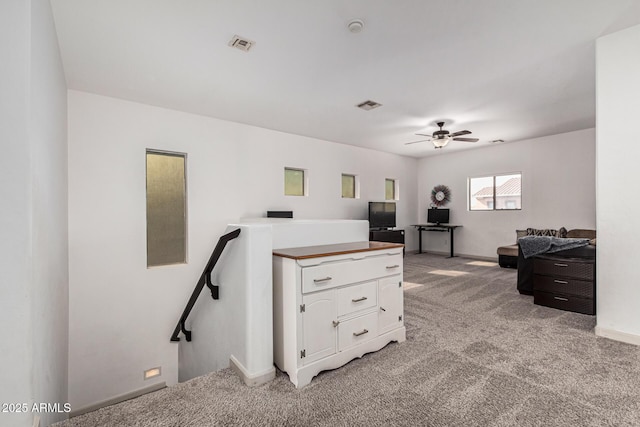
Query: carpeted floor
(477, 354)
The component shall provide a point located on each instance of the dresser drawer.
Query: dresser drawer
(338, 273)
(563, 268)
(354, 331)
(357, 298)
(563, 285)
(565, 302)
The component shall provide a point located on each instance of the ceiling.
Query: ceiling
(503, 69)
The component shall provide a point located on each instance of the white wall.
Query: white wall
(239, 324)
(558, 190)
(121, 313)
(618, 105)
(50, 268)
(15, 209)
(33, 248)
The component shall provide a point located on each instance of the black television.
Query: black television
(438, 216)
(382, 215)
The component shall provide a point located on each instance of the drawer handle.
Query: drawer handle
(561, 265)
(335, 323)
(359, 299)
(562, 282)
(561, 299)
(357, 334)
(325, 279)
(389, 267)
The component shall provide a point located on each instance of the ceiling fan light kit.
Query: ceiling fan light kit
(440, 142)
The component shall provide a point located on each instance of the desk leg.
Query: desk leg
(419, 240)
(451, 255)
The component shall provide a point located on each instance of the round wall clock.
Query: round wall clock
(440, 195)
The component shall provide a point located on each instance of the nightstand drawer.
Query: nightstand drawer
(563, 285)
(563, 268)
(565, 302)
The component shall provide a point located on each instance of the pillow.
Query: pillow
(592, 242)
(520, 233)
(562, 232)
(541, 232)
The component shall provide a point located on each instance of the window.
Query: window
(498, 192)
(166, 208)
(391, 189)
(295, 182)
(349, 186)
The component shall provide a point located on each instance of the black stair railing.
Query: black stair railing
(205, 279)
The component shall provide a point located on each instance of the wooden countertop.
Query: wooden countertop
(338, 249)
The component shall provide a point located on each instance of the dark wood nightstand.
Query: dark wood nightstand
(565, 283)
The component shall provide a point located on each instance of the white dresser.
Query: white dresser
(334, 303)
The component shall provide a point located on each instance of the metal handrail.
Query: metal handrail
(205, 279)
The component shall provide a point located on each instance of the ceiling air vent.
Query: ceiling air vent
(368, 105)
(241, 43)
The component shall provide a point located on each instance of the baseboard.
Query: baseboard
(617, 335)
(251, 380)
(446, 254)
(118, 399)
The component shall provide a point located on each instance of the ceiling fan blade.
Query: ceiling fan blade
(460, 133)
(415, 142)
(466, 139)
(424, 134)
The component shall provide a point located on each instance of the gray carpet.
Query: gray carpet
(477, 354)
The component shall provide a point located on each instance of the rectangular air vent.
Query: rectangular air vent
(241, 43)
(368, 105)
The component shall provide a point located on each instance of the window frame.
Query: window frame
(493, 200)
(356, 186)
(183, 156)
(396, 189)
(305, 181)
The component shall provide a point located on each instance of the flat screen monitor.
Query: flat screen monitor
(438, 216)
(382, 214)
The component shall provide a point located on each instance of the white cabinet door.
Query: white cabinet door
(318, 328)
(390, 313)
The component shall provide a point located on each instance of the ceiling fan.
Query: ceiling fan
(441, 138)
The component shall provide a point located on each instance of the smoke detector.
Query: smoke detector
(355, 26)
(241, 43)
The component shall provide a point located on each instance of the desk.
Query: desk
(436, 227)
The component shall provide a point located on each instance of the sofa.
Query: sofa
(508, 255)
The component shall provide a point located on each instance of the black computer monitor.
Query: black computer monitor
(438, 216)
